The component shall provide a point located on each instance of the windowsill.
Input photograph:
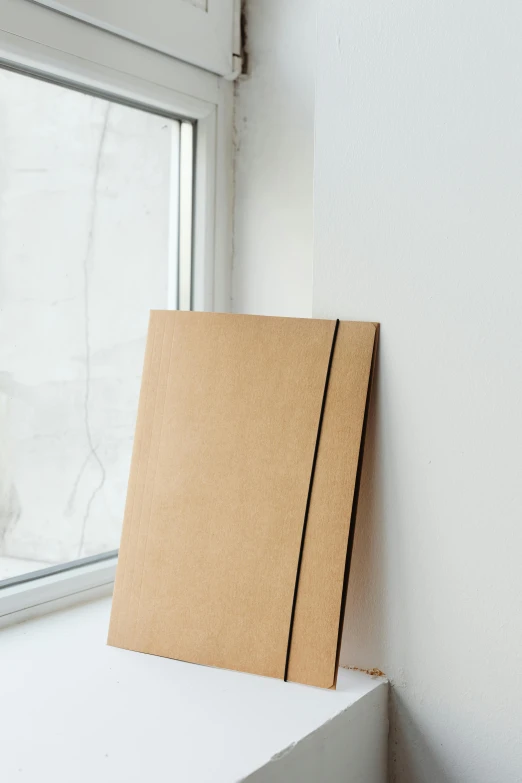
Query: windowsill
(75, 709)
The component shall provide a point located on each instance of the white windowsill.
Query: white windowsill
(74, 709)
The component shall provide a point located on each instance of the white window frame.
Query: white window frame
(206, 37)
(67, 51)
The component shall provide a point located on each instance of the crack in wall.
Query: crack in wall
(93, 453)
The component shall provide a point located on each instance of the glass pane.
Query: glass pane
(87, 241)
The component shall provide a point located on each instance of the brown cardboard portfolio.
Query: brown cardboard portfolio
(242, 492)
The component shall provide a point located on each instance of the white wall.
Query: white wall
(274, 161)
(418, 224)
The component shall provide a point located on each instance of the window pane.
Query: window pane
(89, 195)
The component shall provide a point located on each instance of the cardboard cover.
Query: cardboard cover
(241, 493)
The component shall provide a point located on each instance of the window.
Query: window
(96, 226)
(114, 200)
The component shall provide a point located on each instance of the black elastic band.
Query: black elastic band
(309, 497)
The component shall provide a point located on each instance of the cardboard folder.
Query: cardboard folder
(242, 492)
